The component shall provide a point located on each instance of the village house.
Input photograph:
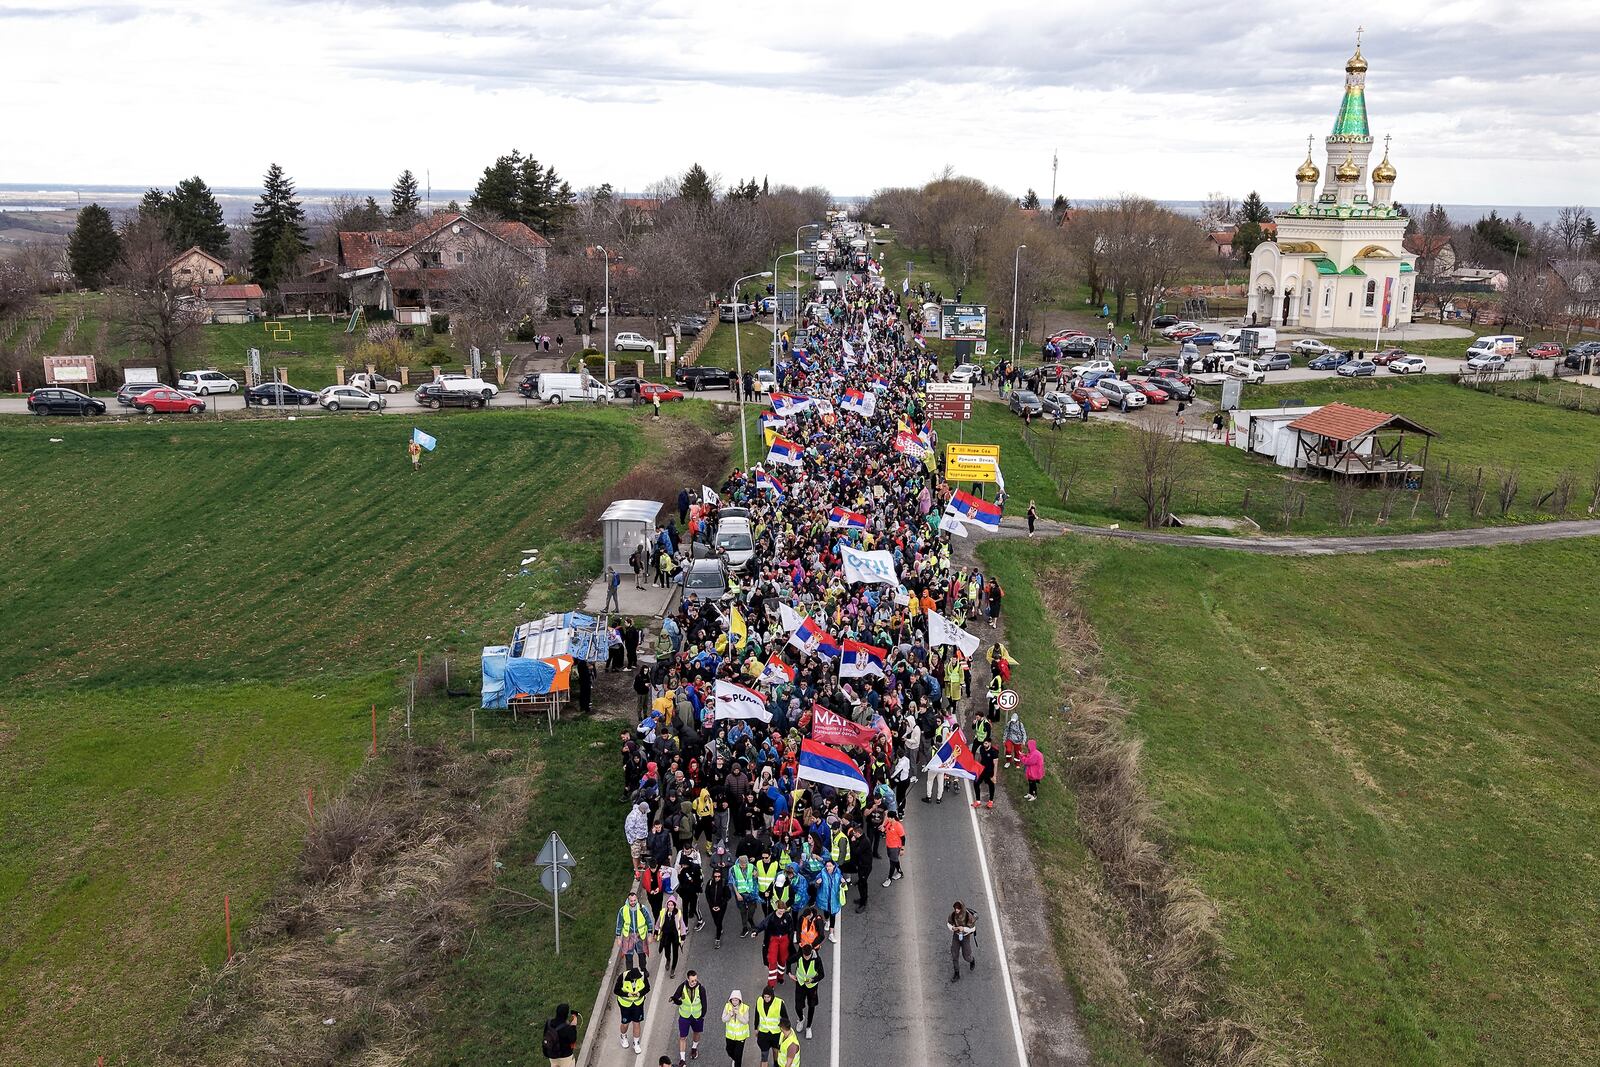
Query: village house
(1436, 253)
(196, 266)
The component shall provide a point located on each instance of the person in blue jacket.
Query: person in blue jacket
(830, 896)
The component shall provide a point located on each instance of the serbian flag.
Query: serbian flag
(772, 421)
(956, 759)
(857, 659)
(839, 518)
(776, 672)
(769, 483)
(910, 444)
(879, 382)
(790, 404)
(828, 766)
(976, 509)
(834, 729)
(863, 404)
(786, 452)
(810, 637)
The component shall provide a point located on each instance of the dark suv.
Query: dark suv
(130, 390)
(697, 378)
(57, 401)
(433, 395)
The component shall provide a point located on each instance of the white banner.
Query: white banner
(951, 523)
(869, 567)
(736, 702)
(708, 495)
(791, 618)
(941, 631)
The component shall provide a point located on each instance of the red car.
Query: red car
(1388, 356)
(1545, 350)
(1186, 333)
(1168, 372)
(649, 391)
(1151, 393)
(1066, 335)
(1090, 399)
(168, 400)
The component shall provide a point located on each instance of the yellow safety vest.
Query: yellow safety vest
(805, 973)
(691, 1007)
(766, 874)
(789, 1050)
(767, 1021)
(634, 923)
(632, 994)
(738, 1027)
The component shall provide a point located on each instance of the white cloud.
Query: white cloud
(1488, 101)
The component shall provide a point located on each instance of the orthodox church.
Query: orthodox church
(1338, 261)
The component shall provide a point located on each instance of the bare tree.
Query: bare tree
(1217, 211)
(1157, 464)
(496, 289)
(660, 277)
(1573, 227)
(149, 308)
(1509, 483)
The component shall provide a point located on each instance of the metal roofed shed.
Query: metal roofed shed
(624, 525)
(1355, 442)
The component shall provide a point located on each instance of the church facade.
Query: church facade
(1338, 261)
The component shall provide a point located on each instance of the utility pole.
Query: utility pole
(1055, 163)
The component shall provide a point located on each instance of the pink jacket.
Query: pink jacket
(1033, 762)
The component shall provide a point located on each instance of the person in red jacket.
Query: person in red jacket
(1033, 768)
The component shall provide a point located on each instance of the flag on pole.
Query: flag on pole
(425, 440)
(839, 518)
(772, 421)
(858, 659)
(810, 637)
(863, 404)
(709, 495)
(828, 766)
(790, 617)
(769, 483)
(738, 634)
(776, 672)
(908, 444)
(956, 759)
(734, 701)
(976, 509)
(786, 404)
(941, 631)
(785, 451)
(869, 567)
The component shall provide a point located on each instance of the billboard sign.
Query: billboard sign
(971, 463)
(70, 370)
(963, 322)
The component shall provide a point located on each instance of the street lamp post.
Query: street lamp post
(606, 258)
(775, 262)
(738, 363)
(1016, 273)
(798, 231)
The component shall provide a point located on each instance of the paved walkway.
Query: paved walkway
(650, 602)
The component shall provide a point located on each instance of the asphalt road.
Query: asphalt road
(1469, 537)
(887, 998)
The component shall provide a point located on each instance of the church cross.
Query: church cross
(1359, 30)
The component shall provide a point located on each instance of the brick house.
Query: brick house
(196, 266)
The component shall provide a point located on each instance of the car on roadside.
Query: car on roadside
(1059, 402)
(276, 394)
(1204, 337)
(1243, 367)
(1154, 393)
(1161, 322)
(1357, 368)
(628, 341)
(1166, 374)
(1407, 365)
(1089, 398)
(373, 383)
(728, 312)
(1160, 363)
(206, 382)
(1330, 361)
(1480, 364)
(528, 386)
(1310, 346)
(1175, 386)
(168, 401)
(350, 398)
(649, 392)
(1383, 358)
(626, 388)
(690, 324)
(54, 400)
(733, 540)
(1545, 350)
(966, 373)
(1119, 393)
(697, 378)
(1583, 350)
(1079, 346)
(764, 381)
(129, 390)
(1061, 337)
(1273, 360)
(466, 383)
(436, 395)
(705, 578)
(1096, 365)
(1025, 402)
(1183, 326)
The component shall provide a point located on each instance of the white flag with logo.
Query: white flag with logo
(708, 495)
(734, 701)
(941, 631)
(869, 567)
(791, 618)
(951, 523)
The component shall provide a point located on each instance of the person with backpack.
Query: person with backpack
(561, 1037)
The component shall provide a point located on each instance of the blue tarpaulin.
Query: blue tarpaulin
(505, 677)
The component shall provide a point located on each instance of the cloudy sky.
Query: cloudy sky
(1488, 102)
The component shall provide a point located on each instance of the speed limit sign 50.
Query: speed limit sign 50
(1008, 700)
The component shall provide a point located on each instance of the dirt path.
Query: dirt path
(1471, 537)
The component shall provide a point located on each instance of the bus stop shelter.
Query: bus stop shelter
(624, 525)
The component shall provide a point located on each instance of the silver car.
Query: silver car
(1059, 403)
(1117, 391)
(733, 540)
(1026, 402)
(349, 398)
(705, 578)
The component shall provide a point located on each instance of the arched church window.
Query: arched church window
(1372, 293)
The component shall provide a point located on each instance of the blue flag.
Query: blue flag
(423, 439)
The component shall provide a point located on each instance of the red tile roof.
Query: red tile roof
(1343, 422)
(434, 278)
(249, 291)
(359, 249)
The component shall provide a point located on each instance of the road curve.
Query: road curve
(1470, 537)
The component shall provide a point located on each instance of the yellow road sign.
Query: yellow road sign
(970, 463)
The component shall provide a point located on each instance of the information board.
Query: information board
(950, 400)
(963, 322)
(971, 463)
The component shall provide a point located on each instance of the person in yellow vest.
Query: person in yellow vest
(630, 990)
(808, 976)
(788, 1046)
(735, 1028)
(766, 873)
(635, 928)
(690, 997)
(771, 1016)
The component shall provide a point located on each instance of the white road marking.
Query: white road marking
(994, 923)
(833, 1009)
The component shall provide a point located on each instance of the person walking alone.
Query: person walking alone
(963, 924)
(670, 932)
(1033, 769)
(1033, 516)
(613, 581)
(718, 895)
(894, 839)
(561, 1037)
(735, 1028)
(808, 976)
(631, 989)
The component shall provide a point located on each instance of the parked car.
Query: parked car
(1064, 336)
(1161, 322)
(1583, 350)
(464, 383)
(437, 395)
(1184, 327)
(349, 398)
(1244, 367)
(528, 385)
(1273, 360)
(650, 391)
(1092, 378)
(1160, 363)
(58, 401)
(1152, 392)
(966, 372)
(1026, 402)
(627, 388)
(1407, 365)
(277, 394)
(728, 312)
(1057, 402)
(1102, 365)
(1545, 350)
(1204, 337)
(1493, 361)
(1120, 393)
(705, 578)
(1175, 386)
(1310, 346)
(373, 383)
(764, 381)
(733, 540)
(1089, 398)
(690, 324)
(1330, 361)
(1357, 368)
(697, 378)
(206, 382)
(168, 401)
(1168, 374)
(628, 341)
(1081, 345)
(129, 390)
(1383, 358)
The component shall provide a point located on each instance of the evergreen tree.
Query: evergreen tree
(519, 188)
(1031, 201)
(153, 205)
(695, 186)
(1246, 236)
(277, 230)
(764, 190)
(496, 191)
(404, 200)
(195, 218)
(453, 207)
(605, 194)
(1253, 209)
(1061, 206)
(94, 247)
(744, 190)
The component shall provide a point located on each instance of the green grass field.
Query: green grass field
(755, 347)
(1392, 807)
(198, 619)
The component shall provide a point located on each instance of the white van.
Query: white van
(1257, 340)
(1497, 344)
(1246, 368)
(555, 388)
(1229, 342)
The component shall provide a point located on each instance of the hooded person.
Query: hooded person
(561, 1037)
(1016, 737)
(1033, 769)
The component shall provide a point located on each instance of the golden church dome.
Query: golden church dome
(1357, 64)
(1308, 171)
(1384, 172)
(1348, 171)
